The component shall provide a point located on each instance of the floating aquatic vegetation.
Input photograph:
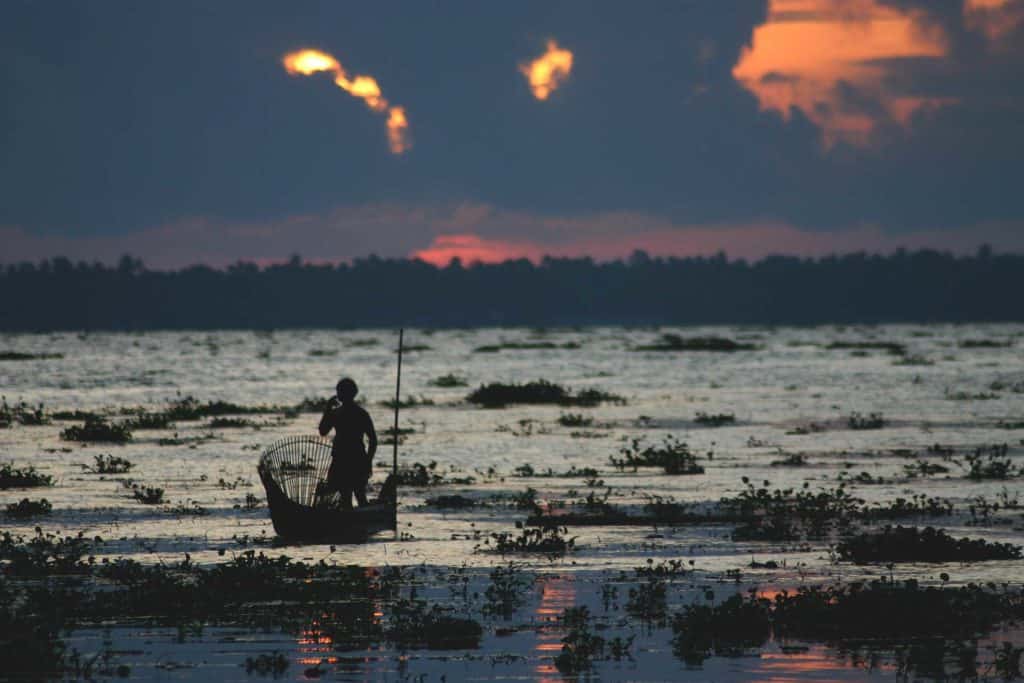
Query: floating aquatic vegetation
(413, 624)
(1010, 424)
(448, 381)
(790, 460)
(420, 475)
(110, 464)
(452, 502)
(322, 353)
(985, 343)
(968, 396)
(789, 514)
(675, 342)
(12, 477)
(231, 423)
(990, 462)
(673, 456)
(919, 361)
(834, 614)
(498, 395)
(573, 472)
(648, 601)
(549, 541)
(74, 415)
(923, 468)
(575, 420)
(714, 420)
(409, 402)
(506, 592)
(274, 664)
(189, 408)
(19, 355)
(524, 346)
(29, 508)
(97, 429)
(890, 347)
(143, 419)
(47, 552)
(580, 647)
(910, 544)
(148, 495)
(188, 508)
(863, 422)
(22, 413)
(918, 505)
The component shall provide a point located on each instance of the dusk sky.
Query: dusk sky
(180, 132)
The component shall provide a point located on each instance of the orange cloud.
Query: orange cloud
(308, 62)
(546, 73)
(832, 61)
(995, 19)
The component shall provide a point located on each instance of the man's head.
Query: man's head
(347, 389)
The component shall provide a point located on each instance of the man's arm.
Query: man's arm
(325, 419)
(371, 435)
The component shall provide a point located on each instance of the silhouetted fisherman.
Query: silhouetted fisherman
(351, 459)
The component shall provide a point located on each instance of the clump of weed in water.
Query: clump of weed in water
(788, 514)
(990, 462)
(862, 422)
(540, 392)
(110, 464)
(714, 420)
(148, 495)
(575, 420)
(142, 419)
(675, 342)
(22, 413)
(97, 429)
(453, 502)
(507, 591)
(274, 664)
(550, 541)
(580, 647)
(12, 477)
(449, 381)
(409, 402)
(414, 624)
(420, 475)
(673, 456)
(910, 544)
(29, 508)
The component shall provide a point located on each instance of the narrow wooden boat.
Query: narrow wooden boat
(294, 474)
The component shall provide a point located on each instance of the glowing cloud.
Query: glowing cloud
(309, 62)
(546, 73)
(833, 60)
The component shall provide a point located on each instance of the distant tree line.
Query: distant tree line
(922, 286)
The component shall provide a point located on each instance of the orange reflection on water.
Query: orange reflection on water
(557, 593)
(314, 645)
(835, 61)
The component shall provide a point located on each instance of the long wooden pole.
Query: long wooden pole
(398, 400)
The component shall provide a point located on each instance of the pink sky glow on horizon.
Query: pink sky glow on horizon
(478, 233)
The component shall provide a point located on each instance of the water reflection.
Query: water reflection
(556, 594)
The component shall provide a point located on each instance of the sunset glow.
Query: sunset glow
(547, 72)
(308, 62)
(835, 63)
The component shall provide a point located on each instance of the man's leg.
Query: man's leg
(360, 491)
(346, 495)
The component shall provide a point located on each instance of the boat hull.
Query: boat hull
(303, 523)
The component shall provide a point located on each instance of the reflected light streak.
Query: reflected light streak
(557, 593)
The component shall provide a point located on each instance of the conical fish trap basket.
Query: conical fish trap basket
(295, 469)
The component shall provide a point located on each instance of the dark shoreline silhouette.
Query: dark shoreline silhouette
(921, 286)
